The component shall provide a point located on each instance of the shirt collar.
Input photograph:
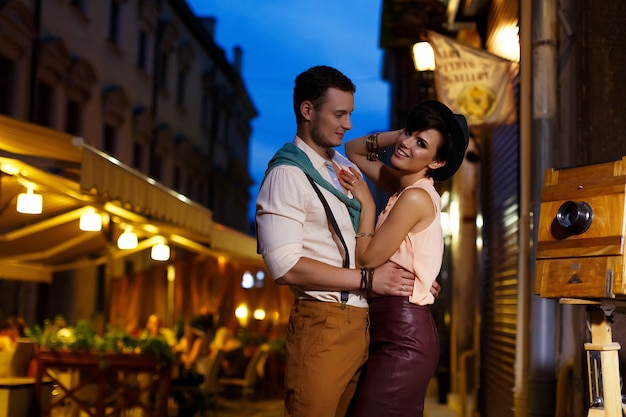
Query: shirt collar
(318, 161)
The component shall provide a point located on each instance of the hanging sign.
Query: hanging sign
(473, 82)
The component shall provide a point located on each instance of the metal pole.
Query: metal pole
(543, 313)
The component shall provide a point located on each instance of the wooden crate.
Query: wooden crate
(589, 264)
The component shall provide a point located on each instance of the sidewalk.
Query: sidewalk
(274, 408)
(432, 408)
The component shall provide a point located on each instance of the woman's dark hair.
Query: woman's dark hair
(422, 118)
(313, 83)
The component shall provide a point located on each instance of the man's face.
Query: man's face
(330, 122)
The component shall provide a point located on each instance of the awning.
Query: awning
(106, 176)
(74, 177)
(33, 140)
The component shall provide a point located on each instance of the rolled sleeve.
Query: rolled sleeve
(280, 217)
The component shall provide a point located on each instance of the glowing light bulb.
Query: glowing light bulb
(29, 202)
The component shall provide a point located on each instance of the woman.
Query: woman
(404, 346)
(193, 361)
(8, 340)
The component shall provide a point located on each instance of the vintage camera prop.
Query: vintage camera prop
(580, 237)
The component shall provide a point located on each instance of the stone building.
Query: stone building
(143, 81)
(130, 110)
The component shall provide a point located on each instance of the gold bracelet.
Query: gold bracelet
(372, 148)
(371, 142)
(364, 234)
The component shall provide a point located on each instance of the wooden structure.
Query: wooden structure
(103, 384)
(605, 398)
(580, 238)
(580, 259)
(254, 372)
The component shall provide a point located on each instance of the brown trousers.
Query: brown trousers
(326, 349)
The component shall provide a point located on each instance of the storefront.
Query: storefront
(95, 273)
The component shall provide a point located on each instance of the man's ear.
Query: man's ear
(436, 164)
(306, 109)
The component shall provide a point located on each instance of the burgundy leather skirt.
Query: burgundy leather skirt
(404, 353)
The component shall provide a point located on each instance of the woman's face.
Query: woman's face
(417, 151)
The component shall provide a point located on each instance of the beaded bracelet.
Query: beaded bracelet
(364, 234)
(370, 282)
(363, 284)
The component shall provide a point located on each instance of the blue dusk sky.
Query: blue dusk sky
(280, 39)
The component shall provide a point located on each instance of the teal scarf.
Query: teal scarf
(290, 154)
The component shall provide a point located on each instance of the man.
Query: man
(327, 334)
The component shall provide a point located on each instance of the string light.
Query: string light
(128, 239)
(160, 251)
(29, 202)
(90, 221)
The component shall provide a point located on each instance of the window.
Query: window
(109, 142)
(81, 80)
(185, 57)
(73, 117)
(200, 194)
(206, 111)
(43, 104)
(115, 106)
(163, 69)
(189, 189)
(167, 46)
(114, 22)
(177, 180)
(180, 88)
(7, 69)
(79, 5)
(156, 167)
(142, 51)
(138, 156)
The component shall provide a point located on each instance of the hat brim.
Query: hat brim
(457, 126)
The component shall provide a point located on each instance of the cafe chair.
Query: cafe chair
(20, 361)
(17, 388)
(207, 392)
(255, 370)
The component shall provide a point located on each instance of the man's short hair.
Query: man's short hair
(313, 83)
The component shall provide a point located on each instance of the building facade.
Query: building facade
(143, 81)
(131, 109)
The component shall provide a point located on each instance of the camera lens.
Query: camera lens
(575, 218)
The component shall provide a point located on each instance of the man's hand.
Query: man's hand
(391, 279)
(435, 289)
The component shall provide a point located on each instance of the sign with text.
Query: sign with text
(474, 82)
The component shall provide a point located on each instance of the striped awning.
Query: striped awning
(74, 177)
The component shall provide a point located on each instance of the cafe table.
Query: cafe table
(101, 384)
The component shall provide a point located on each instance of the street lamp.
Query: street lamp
(423, 56)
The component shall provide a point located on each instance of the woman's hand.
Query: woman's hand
(353, 181)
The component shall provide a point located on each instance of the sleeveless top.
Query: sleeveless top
(421, 252)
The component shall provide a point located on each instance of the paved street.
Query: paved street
(274, 408)
(256, 408)
(240, 408)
